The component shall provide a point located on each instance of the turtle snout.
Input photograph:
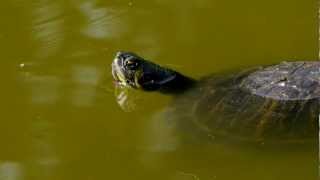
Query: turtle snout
(119, 58)
(123, 55)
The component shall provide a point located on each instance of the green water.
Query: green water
(59, 116)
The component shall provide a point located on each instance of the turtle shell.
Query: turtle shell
(276, 103)
(286, 81)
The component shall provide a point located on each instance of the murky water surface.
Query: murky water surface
(59, 115)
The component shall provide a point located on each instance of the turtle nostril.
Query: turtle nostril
(119, 54)
(122, 55)
(120, 58)
(119, 62)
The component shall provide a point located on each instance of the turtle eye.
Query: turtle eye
(131, 64)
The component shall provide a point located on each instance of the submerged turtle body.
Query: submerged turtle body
(275, 103)
(229, 106)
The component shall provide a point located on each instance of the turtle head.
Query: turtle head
(131, 70)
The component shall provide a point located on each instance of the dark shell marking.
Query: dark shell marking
(286, 81)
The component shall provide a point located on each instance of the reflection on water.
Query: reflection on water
(43, 89)
(11, 171)
(47, 27)
(44, 159)
(48, 89)
(86, 81)
(101, 23)
(59, 115)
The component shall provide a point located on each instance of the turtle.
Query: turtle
(274, 103)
